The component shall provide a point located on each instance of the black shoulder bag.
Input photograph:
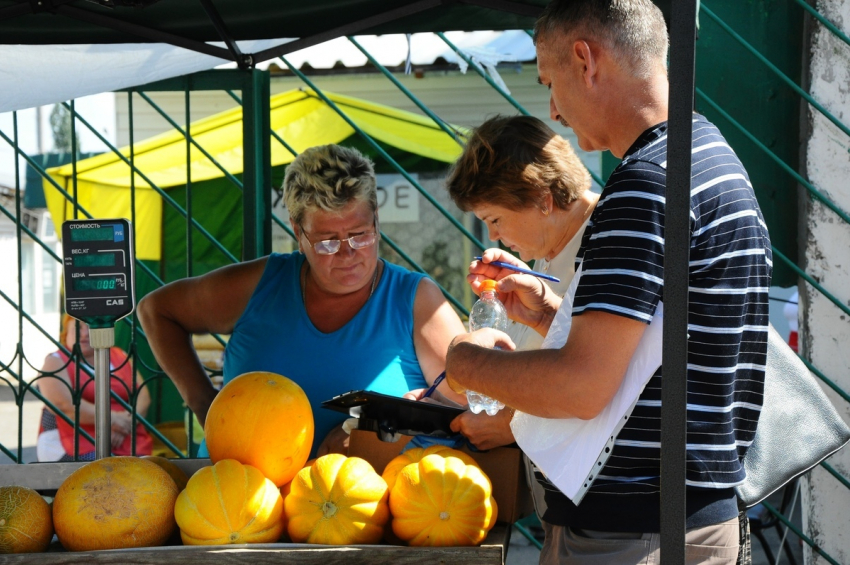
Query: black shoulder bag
(797, 429)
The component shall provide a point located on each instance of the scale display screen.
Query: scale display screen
(99, 283)
(95, 260)
(93, 233)
(98, 270)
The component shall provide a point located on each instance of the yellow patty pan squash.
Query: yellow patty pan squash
(338, 500)
(414, 455)
(229, 503)
(442, 501)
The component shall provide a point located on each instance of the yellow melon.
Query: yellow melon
(263, 420)
(26, 524)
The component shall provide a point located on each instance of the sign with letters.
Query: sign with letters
(398, 199)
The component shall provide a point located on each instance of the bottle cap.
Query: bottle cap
(488, 285)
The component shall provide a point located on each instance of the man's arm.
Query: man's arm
(576, 381)
(212, 303)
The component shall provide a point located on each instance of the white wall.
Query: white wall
(825, 329)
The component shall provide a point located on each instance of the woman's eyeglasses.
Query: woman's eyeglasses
(331, 246)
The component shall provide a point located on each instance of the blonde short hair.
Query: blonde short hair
(328, 177)
(514, 162)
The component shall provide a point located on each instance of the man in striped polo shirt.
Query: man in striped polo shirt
(604, 62)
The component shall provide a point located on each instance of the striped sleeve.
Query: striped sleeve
(623, 265)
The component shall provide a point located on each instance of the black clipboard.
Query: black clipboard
(390, 416)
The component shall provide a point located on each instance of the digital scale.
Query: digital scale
(98, 266)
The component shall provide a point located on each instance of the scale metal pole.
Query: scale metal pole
(102, 339)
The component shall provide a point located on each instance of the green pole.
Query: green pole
(256, 178)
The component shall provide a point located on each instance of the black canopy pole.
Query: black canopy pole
(143, 32)
(241, 60)
(676, 256)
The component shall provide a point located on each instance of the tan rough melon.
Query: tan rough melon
(26, 525)
(173, 470)
(115, 503)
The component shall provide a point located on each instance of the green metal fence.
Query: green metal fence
(758, 58)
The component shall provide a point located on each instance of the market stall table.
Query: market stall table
(48, 477)
(493, 551)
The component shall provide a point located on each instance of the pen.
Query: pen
(521, 270)
(433, 387)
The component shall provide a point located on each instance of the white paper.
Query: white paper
(567, 450)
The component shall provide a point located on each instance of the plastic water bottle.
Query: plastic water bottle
(487, 312)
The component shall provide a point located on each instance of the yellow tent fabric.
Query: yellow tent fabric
(299, 117)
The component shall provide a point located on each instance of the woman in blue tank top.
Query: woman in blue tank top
(332, 317)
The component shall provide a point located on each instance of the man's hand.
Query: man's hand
(527, 299)
(483, 431)
(488, 338)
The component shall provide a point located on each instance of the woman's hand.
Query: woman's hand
(483, 431)
(122, 425)
(335, 442)
(479, 270)
(435, 398)
(527, 299)
(122, 422)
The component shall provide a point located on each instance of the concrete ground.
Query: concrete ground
(521, 551)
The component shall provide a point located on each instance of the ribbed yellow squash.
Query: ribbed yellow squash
(414, 455)
(229, 503)
(441, 501)
(263, 420)
(337, 501)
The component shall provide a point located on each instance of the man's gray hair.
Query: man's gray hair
(632, 30)
(328, 177)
